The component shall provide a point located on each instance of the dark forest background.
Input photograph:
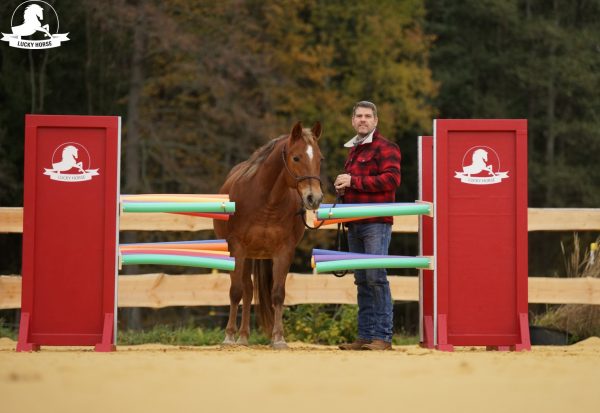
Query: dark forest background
(201, 84)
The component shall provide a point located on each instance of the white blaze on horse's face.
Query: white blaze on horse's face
(305, 164)
(310, 189)
(309, 152)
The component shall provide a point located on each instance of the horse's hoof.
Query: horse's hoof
(228, 341)
(279, 345)
(242, 341)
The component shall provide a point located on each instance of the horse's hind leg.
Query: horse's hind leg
(235, 296)
(246, 303)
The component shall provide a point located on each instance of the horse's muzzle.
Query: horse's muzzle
(312, 201)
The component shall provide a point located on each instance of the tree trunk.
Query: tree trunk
(42, 78)
(531, 98)
(132, 144)
(550, 118)
(32, 81)
(88, 62)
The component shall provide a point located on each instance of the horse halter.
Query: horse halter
(299, 179)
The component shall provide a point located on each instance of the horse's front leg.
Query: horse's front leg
(235, 295)
(246, 303)
(45, 29)
(281, 266)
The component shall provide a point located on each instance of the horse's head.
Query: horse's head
(32, 11)
(302, 158)
(69, 152)
(479, 154)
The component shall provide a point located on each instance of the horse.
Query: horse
(31, 22)
(270, 190)
(68, 161)
(479, 163)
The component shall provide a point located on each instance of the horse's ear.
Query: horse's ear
(296, 132)
(317, 130)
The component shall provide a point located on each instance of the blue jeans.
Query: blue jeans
(375, 310)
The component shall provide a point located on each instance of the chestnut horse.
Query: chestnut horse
(269, 191)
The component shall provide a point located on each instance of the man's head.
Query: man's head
(364, 117)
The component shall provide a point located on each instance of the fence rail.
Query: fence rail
(540, 219)
(163, 290)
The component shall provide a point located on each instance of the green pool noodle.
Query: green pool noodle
(374, 211)
(178, 207)
(360, 264)
(159, 259)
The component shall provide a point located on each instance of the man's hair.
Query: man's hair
(365, 104)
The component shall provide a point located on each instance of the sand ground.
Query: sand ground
(157, 378)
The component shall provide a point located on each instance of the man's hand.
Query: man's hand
(342, 181)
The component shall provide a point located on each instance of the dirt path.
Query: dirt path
(156, 378)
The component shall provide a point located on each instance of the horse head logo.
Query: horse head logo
(68, 161)
(33, 12)
(483, 168)
(479, 163)
(32, 17)
(70, 158)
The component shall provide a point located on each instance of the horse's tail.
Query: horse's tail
(263, 284)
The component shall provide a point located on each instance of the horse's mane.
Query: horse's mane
(32, 7)
(248, 168)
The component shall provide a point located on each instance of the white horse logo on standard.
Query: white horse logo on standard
(70, 168)
(33, 16)
(480, 170)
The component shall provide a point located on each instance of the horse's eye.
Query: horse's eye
(296, 159)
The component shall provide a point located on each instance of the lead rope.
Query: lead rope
(302, 212)
(341, 234)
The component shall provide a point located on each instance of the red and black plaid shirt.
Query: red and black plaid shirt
(375, 171)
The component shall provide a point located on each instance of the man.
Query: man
(372, 176)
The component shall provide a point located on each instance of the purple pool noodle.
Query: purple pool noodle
(322, 258)
(317, 251)
(367, 204)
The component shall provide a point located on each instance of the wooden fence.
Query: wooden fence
(540, 219)
(162, 290)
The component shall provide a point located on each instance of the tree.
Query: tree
(527, 59)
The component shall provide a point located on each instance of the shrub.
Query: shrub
(6, 331)
(580, 320)
(321, 323)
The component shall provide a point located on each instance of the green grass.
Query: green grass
(6, 331)
(193, 336)
(310, 323)
(403, 340)
(184, 336)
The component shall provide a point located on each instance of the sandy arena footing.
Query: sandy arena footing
(306, 378)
